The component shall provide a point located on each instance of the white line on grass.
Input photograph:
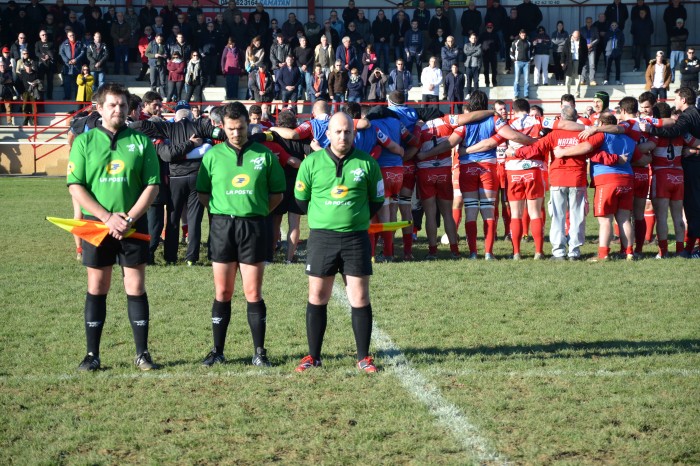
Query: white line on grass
(418, 386)
(543, 373)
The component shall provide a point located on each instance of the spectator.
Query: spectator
(400, 79)
(347, 55)
(169, 13)
(369, 62)
(400, 26)
(185, 28)
(264, 15)
(377, 85)
(678, 38)
(324, 55)
(497, 16)
(454, 88)
(559, 37)
(291, 27)
(7, 92)
(20, 45)
(60, 13)
(603, 26)
(97, 58)
(49, 26)
(157, 54)
(72, 52)
(639, 7)
(542, 45)
(658, 76)
(355, 38)
(364, 28)
(261, 84)
(278, 53)
(86, 84)
(451, 16)
(144, 40)
(413, 48)
(36, 14)
(147, 14)
(589, 34)
(490, 46)
(613, 52)
(319, 85)
(193, 11)
(435, 46)
(331, 34)
(257, 27)
(194, 78)
(350, 12)
(238, 30)
(449, 55)
(472, 63)
(33, 92)
(439, 21)
(159, 27)
(304, 56)
(75, 25)
(209, 47)
(381, 31)
(470, 21)
(511, 32)
(45, 52)
(422, 15)
(338, 82)
(431, 78)
(312, 31)
(289, 79)
(133, 21)
(690, 67)
(254, 54)
(521, 54)
(356, 87)
(530, 15)
(617, 11)
(642, 32)
(176, 77)
(232, 62)
(672, 13)
(337, 24)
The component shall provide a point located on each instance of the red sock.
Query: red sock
(185, 231)
(470, 228)
(432, 249)
(649, 221)
(457, 216)
(537, 234)
(629, 250)
(407, 244)
(388, 237)
(679, 247)
(373, 243)
(526, 223)
(616, 227)
(516, 234)
(663, 247)
(640, 231)
(690, 244)
(603, 252)
(490, 235)
(454, 248)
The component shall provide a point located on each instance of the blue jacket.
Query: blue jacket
(354, 62)
(407, 80)
(65, 52)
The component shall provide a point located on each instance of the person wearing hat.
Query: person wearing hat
(7, 91)
(678, 36)
(601, 103)
(658, 76)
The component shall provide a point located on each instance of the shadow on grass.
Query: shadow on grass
(594, 349)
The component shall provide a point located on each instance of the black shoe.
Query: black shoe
(144, 362)
(90, 363)
(260, 358)
(213, 358)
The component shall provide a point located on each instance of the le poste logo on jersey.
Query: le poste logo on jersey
(115, 167)
(300, 186)
(240, 181)
(339, 192)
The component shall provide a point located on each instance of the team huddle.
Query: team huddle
(361, 166)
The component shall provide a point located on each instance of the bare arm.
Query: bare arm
(204, 199)
(471, 117)
(144, 201)
(452, 141)
(393, 147)
(274, 200)
(481, 146)
(512, 135)
(285, 133)
(573, 151)
(591, 130)
(363, 123)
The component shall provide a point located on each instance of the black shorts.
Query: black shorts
(239, 239)
(289, 203)
(127, 252)
(330, 252)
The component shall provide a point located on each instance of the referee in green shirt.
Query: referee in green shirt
(113, 173)
(341, 188)
(240, 182)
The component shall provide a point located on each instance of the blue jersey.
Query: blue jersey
(615, 144)
(474, 133)
(315, 128)
(407, 115)
(391, 127)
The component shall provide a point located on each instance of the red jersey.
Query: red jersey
(431, 134)
(529, 126)
(667, 155)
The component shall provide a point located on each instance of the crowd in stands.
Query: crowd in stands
(345, 57)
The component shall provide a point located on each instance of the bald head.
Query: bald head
(568, 113)
(320, 107)
(341, 134)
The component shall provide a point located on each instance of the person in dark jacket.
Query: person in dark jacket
(642, 30)
(511, 32)
(381, 32)
(490, 46)
(288, 79)
(678, 37)
(613, 52)
(559, 37)
(449, 55)
(690, 67)
(530, 15)
(521, 54)
(45, 53)
(454, 88)
(574, 57)
(338, 82)
(261, 84)
(673, 12)
(471, 21)
(400, 25)
(319, 85)
(617, 11)
(157, 54)
(640, 6)
(498, 16)
(377, 86)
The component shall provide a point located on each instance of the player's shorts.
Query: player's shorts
(475, 176)
(393, 181)
(668, 184)
(126, 252)
(435, 182)
(289, 203)
(641, 185)
(239, 239)
(330, 252)
(525, 184)
(455, 179)
(501, 173)
(611, 197)
(409, 177)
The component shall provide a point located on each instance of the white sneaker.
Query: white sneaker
(444, 240)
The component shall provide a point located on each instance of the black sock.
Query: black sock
(220, 317)
(95, 314)
(138, 316)
(362, 328)
(316, 321)
(257, 319)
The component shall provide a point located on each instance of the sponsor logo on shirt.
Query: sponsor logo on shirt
(358, 173)
(71, 168)
(258, 163)
(339, 192)
(115, 167)
(240, 181)
(300, 186)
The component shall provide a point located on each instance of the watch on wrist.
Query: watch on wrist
(129, 220)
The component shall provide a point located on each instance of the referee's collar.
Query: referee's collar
(338, 161)
(239, 153)
(112, 136)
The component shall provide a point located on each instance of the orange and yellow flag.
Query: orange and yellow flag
(92, 231)
(388, 226)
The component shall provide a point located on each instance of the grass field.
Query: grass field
(525, 363)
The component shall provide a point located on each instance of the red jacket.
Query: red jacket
(176, 71)
(231, 61)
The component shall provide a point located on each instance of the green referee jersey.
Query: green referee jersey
(239, 183)
(339, 190)
(114, 169)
